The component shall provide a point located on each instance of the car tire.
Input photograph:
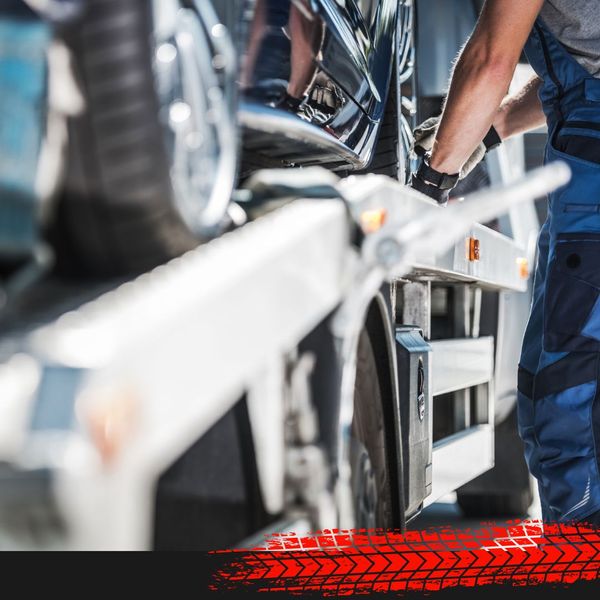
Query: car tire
(505, 490)
(496, 505)
(118, 213)
(391, 155)
(388, 154)
(370, 468)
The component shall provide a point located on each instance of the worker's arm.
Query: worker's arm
(521, 112)
(481, 79)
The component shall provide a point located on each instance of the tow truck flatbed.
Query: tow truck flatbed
(164, 356)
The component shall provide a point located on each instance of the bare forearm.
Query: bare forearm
(477, 89)
(521, 112)
(481, 80)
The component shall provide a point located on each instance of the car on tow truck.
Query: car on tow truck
(232, 446)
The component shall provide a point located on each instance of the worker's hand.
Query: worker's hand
(435, 193)
(433, 183)
(424, 136)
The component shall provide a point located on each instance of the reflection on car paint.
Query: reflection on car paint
(281, 65)
(325, 62)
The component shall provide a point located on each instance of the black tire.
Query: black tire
(117, 213)
(386, 157)
(369, 457)
(391, 155)
(505, 490)
(500, 505)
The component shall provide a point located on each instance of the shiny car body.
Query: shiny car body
(315, 77)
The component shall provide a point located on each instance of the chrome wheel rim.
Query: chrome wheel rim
(194, 69)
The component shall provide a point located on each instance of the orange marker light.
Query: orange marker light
(373, 220)
(523, 265)
(111, 416)
(473, 249)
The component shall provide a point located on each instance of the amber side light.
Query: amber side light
(111, 416)
(523, 266)
(373, 220)
(473, 249)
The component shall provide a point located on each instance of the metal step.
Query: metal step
(460, 364)
(460, 458)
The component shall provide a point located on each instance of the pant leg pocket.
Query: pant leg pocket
(579, 144)
(571, 311)
(579, 140)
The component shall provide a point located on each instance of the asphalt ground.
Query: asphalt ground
(447, 513)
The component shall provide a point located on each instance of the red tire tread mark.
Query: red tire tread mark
(362, 562)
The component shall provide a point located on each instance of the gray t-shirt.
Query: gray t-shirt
(576, 23)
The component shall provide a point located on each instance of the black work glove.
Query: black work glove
(432, 183)
(424, 135)
(435, 193)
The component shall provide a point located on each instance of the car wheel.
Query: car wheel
(152, 159)
(515, 504)
(505, 490)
